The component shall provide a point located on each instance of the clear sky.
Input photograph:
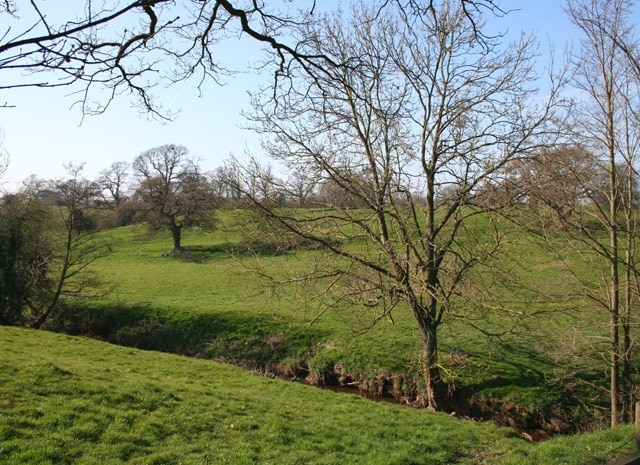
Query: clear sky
(44, 131)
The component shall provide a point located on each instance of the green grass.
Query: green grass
(211, 304)
(73, 400)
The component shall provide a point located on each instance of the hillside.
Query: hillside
(75, 400)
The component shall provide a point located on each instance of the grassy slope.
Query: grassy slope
(213, 306)
(215, 299)
(75, 400)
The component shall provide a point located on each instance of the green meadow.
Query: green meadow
(68, 399)
(75, 400)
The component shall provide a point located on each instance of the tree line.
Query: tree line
(396, 123)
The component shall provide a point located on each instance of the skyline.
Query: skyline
(43, 131)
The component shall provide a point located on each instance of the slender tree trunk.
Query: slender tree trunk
(615, 368)
(626, 335)
(613, 258)
(628, 299)
(630, 273)
(48, 311)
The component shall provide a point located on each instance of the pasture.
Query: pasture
(75, 400)
(211, 304)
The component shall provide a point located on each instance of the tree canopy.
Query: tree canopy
(172, 193)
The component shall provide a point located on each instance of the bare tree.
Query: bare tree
(172, 192)
(301, 189)
(77, 246)
(603, 76)
(418, 108)
(113, 182)
(223, 191)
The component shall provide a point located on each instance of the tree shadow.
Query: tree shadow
(203, 253)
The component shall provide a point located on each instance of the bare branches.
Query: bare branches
(419, 108)
(123, 47)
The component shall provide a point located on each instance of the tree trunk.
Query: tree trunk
(615, 276)
(615, 370)
(176, 234)
(64, 272)
(628, 407)
(432, 376)
(630, 267)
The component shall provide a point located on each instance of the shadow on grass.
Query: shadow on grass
(203, 253)
(524, 393)
(530, 373)
(257, 342)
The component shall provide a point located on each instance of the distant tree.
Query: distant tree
(172, 192)
(113, 184)
(334, 194)
(302, 188)
(564, 179)
(223, 190)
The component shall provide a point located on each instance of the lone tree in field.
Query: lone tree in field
(418, 109)
(172, 193)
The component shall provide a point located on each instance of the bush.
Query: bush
(25, 254)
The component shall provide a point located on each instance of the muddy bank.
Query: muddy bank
(398, 389)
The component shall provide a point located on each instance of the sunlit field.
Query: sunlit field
(68, 400)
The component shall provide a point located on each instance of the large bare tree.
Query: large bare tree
(417, 109)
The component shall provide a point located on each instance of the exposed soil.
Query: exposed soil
(532, 425)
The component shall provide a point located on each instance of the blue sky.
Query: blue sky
(43, 131)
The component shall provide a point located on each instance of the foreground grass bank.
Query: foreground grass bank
(70, 400)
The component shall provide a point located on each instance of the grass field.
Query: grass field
(211, 304)
(73, 400)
